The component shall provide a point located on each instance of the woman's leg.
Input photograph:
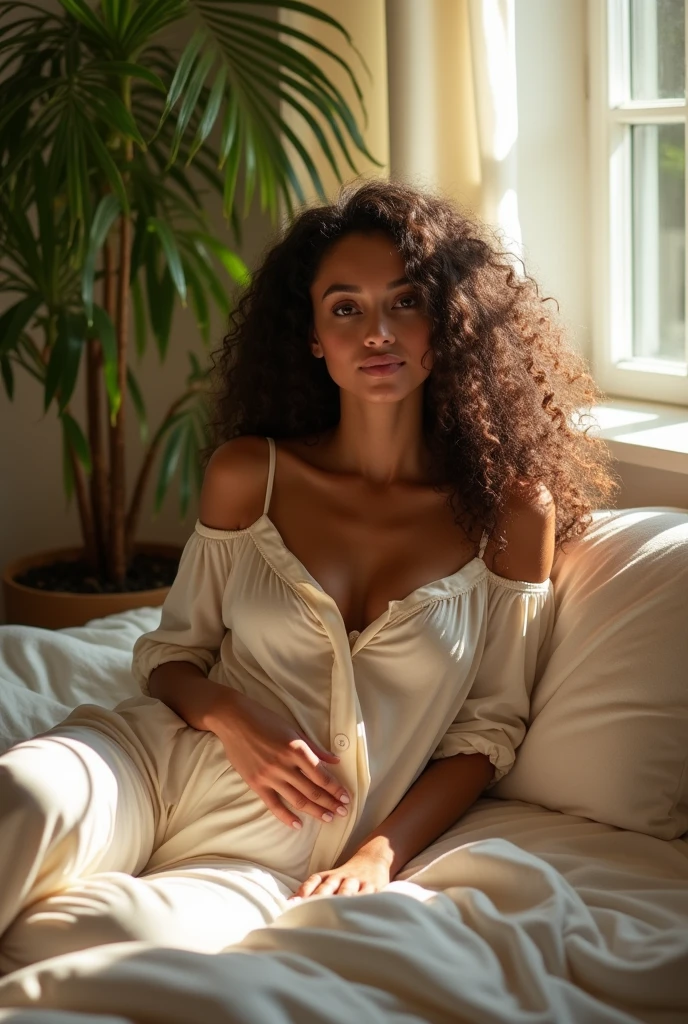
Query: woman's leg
(215, 863)
(72, 804)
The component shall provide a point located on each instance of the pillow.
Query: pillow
(608, 729)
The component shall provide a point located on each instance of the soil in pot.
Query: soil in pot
(56, 589)
(146, 572)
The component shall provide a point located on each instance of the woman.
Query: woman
(345, 659)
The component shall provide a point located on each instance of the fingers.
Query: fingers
(320, 753)
(349, 887)
(273, 803)
(332, 885)
(314, 793)
(308, 887)
(300, 801)
(313, 768)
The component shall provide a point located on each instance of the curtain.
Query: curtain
(440, 94)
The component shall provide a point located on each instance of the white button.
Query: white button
(341, 741)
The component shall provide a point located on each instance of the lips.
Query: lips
(380, 361)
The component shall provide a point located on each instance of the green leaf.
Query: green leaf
(199, 302)
(7, 376)
(161, 294)
(43, 199)
(76, 440)
(65, 358)
(233, 263)
(25, 247)
(77, 178)
(106, 213)
(229, 127)
(127, 69)
(14, 320)
(138, 403)
(210, 113)
(141, 238)
(231, 176)
(203, 264)
(283, 29)
(169, 244)
(196, 371)
(107, 164)
(183, 71)
(110, 108)
(292, 5)
(168, 464)
(105, 331)
(189, 102)
(149, 19)
(140, 333)
(80, 10)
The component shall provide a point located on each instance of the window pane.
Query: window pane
(658, 42)
(659, 248)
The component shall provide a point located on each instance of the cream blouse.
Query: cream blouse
(447, 670)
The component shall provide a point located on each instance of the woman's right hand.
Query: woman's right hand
(277, 761)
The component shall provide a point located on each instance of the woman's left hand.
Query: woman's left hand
(360, 875)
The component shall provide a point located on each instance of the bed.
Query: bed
(562, 896)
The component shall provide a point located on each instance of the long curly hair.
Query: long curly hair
(504, 404)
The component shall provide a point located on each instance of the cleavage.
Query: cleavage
(388, 572)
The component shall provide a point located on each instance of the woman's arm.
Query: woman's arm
(277, 761)
(188, 691)
(438, 798)
(444, 791)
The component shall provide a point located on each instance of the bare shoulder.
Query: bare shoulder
(528, 522)
(234, 484)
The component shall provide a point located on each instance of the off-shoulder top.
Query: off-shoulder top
(446, 670)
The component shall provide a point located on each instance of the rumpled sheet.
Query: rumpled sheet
(517, 915)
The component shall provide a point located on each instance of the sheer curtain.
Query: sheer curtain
(440, 97)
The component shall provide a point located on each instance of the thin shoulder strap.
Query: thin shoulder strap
(271, 474)
(483, 542)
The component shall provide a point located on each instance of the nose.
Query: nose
(378, 332)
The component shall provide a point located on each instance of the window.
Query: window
(637, 74)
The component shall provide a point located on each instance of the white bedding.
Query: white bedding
(519, 914)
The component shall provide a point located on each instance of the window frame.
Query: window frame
(611, 115)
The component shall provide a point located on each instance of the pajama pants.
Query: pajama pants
(129, 824)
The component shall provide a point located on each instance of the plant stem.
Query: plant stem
(116, 546)
(146, 467)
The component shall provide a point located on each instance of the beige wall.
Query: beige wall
(644, 486)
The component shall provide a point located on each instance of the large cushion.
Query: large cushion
(608, 733)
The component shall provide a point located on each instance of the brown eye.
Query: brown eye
(338, 309)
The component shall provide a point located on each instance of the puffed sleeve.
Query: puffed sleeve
(493, 718)
(191, 625)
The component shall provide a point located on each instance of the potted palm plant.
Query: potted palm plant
(105, 132)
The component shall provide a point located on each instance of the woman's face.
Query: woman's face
(368, 323)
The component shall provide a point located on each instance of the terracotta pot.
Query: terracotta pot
(54, 609)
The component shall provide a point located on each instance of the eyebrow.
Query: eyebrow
(354, 287)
